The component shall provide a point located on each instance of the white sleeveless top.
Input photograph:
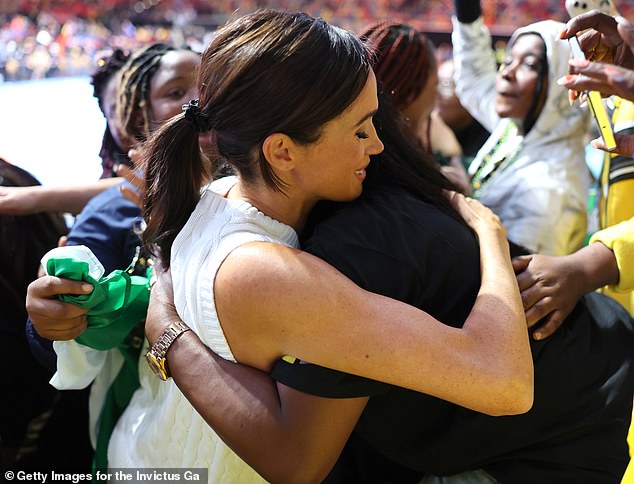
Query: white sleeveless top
(160, 428)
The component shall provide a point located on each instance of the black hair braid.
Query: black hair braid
(106, 68)
(134, 91)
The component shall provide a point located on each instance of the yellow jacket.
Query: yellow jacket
(616, 205)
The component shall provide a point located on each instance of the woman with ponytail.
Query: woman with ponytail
(288, 102)
(401, 239)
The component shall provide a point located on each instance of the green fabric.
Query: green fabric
(118, 302)
(117, 305)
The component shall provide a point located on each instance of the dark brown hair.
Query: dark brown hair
(264, 73)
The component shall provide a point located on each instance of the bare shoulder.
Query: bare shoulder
(264, 269)
(266, 293)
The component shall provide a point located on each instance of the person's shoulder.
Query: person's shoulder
(382, 214)
(267, 269)
(109, 212)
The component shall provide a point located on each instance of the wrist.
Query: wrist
(595, 266)
(157, 355)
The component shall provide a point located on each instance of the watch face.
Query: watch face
(156, 365)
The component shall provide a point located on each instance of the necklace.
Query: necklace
(503, 153)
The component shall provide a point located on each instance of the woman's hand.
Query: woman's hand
(551, 286)
(550, 289)
(52, 318)
(480, 218)
(457, 175)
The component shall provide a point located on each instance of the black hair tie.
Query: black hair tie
(199, 120)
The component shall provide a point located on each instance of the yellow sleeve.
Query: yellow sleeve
(620, 239)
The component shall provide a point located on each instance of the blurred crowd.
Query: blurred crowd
(52, 38)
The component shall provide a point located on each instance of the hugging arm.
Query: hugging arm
(296, 304)
(284, 434)
(364, 329)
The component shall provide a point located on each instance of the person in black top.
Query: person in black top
(397, 240)
(401, 238)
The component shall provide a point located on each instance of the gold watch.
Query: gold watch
(156, 356)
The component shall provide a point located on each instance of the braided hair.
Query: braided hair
(134, 89)
(110, 153)
(403, 60)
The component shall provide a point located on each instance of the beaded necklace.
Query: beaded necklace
(502, 153)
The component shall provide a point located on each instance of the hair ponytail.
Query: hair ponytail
(175, 171)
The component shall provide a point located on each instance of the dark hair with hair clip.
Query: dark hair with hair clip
(267, 72)
(134, 89)
(107, 67)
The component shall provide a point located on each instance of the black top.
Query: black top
(393, 244)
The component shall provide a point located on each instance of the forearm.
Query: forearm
(497, 320)
(73, 198)
(595, 266)
(620, 240)
(281, 441)
(475, 70)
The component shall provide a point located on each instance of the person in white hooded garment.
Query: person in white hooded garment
(531, 171)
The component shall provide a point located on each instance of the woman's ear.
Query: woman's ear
(278, 149)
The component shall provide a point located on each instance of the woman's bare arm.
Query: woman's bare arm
(284, 434)
(264, 422)
(298, 305)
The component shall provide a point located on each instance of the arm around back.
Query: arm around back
(273, 301)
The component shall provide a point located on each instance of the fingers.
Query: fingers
(137, 159)
(552, 323)
(525, 279)
(132, 195)
(624, 144)
(131, 176)
(61, 242)
(590, 20)
(60, 330)
(538, 311)
(596, 76)
(520, 263)
(626, 30)
(49, 286)
(534, 294)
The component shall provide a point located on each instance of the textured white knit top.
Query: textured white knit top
(160, 428)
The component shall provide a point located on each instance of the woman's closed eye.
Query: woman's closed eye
(362, 135)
